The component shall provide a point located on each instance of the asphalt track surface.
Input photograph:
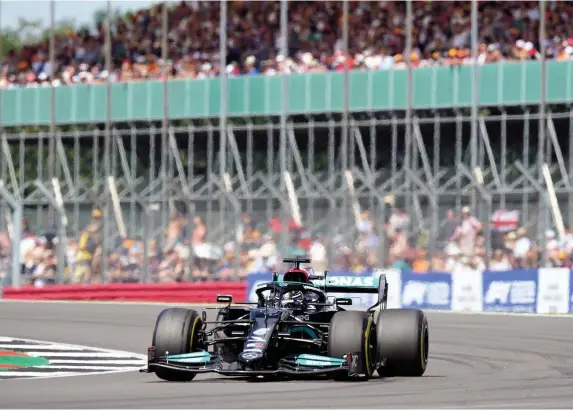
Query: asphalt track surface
(476, 361)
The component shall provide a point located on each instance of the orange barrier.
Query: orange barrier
(137, 292)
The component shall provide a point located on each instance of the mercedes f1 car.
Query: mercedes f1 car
(295, 328)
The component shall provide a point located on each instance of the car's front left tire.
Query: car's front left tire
(176, 332)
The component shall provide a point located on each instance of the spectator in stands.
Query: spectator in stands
(399, 220)
(500, 261)
(86, 264)
(466, 234)
(522, 247)
(200, 231)
(174, 232)
(318, 253)
(171, 268)
(448, 228)
(507, 31)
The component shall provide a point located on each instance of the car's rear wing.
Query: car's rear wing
(350, 289)
(381, 288)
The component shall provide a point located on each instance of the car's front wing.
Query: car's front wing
(285, 366)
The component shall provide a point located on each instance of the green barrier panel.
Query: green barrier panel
(504, 84)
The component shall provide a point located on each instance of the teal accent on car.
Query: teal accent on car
(195, 357)
(304, 329)
(315, 360)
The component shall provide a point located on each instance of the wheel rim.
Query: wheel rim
(372, 349)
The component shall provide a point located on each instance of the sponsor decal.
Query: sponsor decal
(467, 291)
(314, 360)
(352, 281)
(306, 362)
(348, 280)
(250, 355)
(195, 357)
(553, 290)
(255, 345)
(323, 358)
(510, 291)
(261, 332)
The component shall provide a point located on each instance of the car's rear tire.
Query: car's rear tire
(403, 340)
(351, 332)
(176, 332)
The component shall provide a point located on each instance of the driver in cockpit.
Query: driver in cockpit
(298, 298)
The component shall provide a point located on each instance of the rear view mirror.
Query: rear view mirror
(224, 298)
(343, 301)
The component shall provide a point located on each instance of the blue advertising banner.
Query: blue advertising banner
(510, 291)
(432, 290)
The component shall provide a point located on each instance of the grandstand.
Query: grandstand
(351, 141)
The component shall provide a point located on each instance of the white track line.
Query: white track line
(117, 353)
(115, 362)
(40, 347)
(79, 354)
(88, 367)
(36, 374)
(139, 360)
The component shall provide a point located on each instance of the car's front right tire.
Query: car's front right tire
(353, 332)
(176, 332)
(403, 340)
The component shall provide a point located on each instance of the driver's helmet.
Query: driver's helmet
(294, 299)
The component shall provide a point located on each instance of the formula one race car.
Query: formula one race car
(293, 329)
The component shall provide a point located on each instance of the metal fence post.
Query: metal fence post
(475, 96)
(409, 104)
(52, 161)
(61, 245)
(285, 79)
(544, 206)
(16, 206)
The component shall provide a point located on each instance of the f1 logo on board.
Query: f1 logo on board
(426, 294)
(510, 291)
(517, 296)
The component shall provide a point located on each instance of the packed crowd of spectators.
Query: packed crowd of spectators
(508, 30)
(257, 246)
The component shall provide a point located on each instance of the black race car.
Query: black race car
(293, 329)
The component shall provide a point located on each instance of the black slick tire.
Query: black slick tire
(176, 332)
(353, 332)
(403, 340)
